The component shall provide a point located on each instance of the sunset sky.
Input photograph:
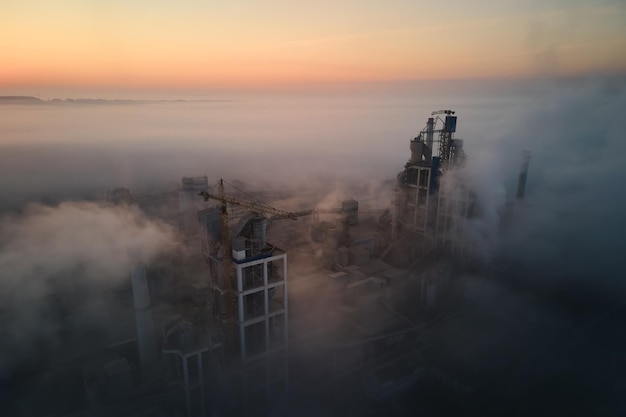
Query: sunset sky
(193, 43)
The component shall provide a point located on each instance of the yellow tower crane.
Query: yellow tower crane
(226, 250)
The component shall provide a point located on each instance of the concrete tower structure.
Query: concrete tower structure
(251, 309)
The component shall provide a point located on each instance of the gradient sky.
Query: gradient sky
(193, 43)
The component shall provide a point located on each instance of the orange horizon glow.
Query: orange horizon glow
(162, 45)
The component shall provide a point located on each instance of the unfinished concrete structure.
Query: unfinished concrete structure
(248, 279)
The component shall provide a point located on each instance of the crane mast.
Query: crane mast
(228, 317)
(227, 269)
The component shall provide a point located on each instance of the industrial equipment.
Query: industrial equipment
(225, 250)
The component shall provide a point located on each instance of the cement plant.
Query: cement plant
(274, 303)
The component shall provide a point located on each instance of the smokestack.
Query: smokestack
(141, 292)
(146, 337)
(523, 175)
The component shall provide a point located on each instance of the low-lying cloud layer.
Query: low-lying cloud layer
(71, 253)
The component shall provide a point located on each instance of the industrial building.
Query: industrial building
(339, 308)
(429, 207)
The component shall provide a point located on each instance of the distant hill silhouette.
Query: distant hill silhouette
(35, 100)
(20, 100)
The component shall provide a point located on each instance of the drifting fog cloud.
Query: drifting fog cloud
(572, 224)
(68, 254)
(568, 233)
(571, 127)
(545, 319)
(571, 220)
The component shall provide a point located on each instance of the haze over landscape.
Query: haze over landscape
(289, 95)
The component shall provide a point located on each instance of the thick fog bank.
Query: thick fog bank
(60, 260)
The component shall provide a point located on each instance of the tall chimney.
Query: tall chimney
(146, 336)
(523, 175)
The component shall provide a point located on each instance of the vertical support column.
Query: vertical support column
(242, 339)
(240, 311)
(239, 278)
(286, 322)
(439, 219)
(201, 384)
(186, 385)
(417, 197)
(266, 306)
(286, 302)
(426, 203)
